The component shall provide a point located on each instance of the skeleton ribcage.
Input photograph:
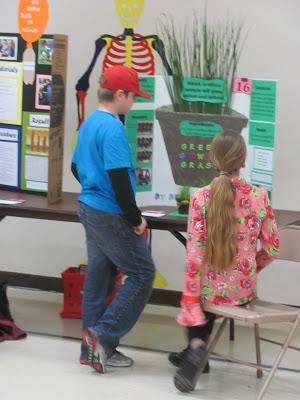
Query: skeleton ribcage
(141, 58)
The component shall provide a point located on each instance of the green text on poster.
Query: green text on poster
(263, 101)
(261, 134)
(147, 84)
(208, 91)
(205, 129)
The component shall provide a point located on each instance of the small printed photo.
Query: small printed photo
(144, 156)
(144, 176)
(144, 142)
(43, 92)
(37, 141)
(45, 51)
(145, 127)
(8, 48)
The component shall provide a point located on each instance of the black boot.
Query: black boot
(186, 377)
(177, 359)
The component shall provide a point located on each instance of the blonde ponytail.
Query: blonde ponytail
(228, 153)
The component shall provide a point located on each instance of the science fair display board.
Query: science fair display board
(255, 98)
(32, 114)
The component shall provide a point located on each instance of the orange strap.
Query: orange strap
(190, 299)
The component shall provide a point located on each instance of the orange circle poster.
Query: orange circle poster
(33, 19)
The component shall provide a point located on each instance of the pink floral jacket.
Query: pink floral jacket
(236, 285)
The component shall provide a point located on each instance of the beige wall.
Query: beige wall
(271, 51)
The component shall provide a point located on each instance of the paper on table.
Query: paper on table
(11, 202)
(150, 213)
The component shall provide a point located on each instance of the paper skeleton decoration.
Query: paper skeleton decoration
(129, 48)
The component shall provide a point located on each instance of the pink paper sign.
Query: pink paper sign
(242, 85)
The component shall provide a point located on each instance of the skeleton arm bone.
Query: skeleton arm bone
(82, 85)
(158, 46)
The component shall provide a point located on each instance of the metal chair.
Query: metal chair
(261, 312)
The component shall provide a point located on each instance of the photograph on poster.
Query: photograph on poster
(144, 143)
(35, 151)
(144, 156)
(144, 176)
(145, 127)
(8, 48)
(45, 53)
(43, 92)
(139, 126)
(37, 141)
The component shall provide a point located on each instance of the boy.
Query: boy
(113, 223)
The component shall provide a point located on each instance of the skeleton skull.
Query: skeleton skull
(129, 12)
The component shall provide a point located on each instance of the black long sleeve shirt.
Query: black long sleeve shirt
(122, 188)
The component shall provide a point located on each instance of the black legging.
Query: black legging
(4, 304)
(202, 332)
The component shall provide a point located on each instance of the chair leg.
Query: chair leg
(215, 340)
(259, 371)
(279, 358)
(231, 330)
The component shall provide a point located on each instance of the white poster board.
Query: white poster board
(259, 165)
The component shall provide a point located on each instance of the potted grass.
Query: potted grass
(204, 59)
(183, 200)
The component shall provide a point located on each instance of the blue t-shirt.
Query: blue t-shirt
(102, 145)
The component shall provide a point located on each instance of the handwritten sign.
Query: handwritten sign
(263, 101)
(242, 85)
(205, 129)
(33, 19)
(205, 90)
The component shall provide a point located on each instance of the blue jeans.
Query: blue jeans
(112, 244)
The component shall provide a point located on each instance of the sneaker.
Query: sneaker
(177, 359)
(83, 361)
(96, 353)
(186, 378)
(117, 360)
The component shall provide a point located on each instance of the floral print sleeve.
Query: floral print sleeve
(235, 285)
(191, 313)
(269, 237)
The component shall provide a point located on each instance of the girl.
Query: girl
(226, 220)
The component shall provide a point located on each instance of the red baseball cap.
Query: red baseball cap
(120, 77)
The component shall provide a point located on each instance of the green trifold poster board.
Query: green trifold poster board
(262, 131)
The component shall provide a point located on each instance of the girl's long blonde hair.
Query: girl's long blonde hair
(228, 154)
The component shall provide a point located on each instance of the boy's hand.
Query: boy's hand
(139, 230)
